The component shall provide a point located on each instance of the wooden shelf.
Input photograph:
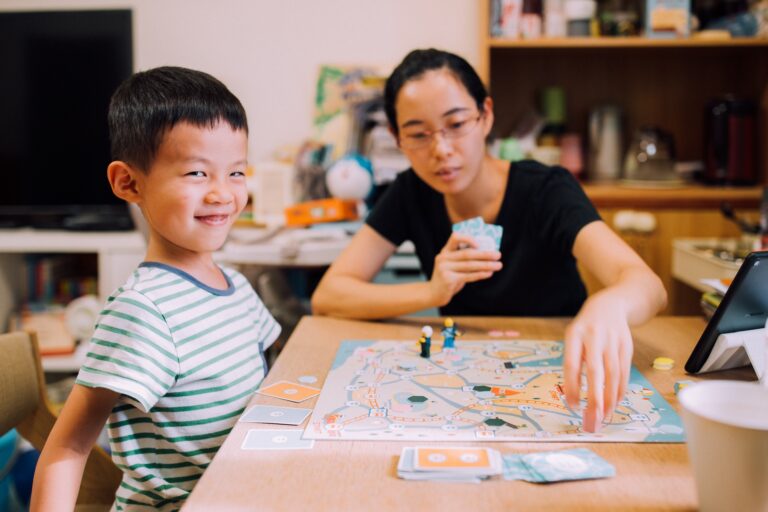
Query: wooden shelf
(565, 43)
(689, 197)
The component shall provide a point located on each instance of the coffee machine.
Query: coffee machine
(730, 142)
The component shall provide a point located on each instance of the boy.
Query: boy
(178, 350)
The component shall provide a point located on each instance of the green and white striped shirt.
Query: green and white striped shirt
(186, 359)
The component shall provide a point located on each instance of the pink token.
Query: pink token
(496, 334)
(512, 334)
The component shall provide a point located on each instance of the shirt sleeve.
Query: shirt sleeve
(131, 351)
(389, 216)
(563, 209)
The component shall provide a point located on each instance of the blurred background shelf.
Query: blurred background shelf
(624, 42)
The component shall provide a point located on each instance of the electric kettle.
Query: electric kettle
(605, 135)
(650, 159)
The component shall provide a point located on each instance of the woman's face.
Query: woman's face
(441, 130)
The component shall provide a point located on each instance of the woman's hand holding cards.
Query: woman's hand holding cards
(458, 263)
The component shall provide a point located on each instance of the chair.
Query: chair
(24, 406)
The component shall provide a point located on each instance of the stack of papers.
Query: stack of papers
(449, 464)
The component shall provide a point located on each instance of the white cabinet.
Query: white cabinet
(117, 255)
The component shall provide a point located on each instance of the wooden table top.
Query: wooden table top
(361, 475)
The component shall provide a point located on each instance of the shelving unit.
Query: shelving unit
(659, 82)
(117, 255)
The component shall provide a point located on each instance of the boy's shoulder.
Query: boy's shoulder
(157, 281)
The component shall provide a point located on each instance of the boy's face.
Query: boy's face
(195, 189)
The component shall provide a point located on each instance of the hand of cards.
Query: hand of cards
(556, 466)
(469, 464)
(487, 236)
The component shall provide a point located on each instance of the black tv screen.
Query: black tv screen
(58, 71)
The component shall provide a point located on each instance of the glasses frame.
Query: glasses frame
(408, 144)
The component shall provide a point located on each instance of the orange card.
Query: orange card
(451, 458)
(289, 391)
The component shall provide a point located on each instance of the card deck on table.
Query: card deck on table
(275, 414)
(557, 466)
(276, 440)
(449, 464)
(290, 391)
(452, 459)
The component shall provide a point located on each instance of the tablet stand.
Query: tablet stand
(740, 348)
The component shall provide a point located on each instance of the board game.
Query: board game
(500, 390)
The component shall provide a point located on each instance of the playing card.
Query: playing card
(487, 236)
(407, 471)
(276, 440)
(576, 464)
(290, 391)
(274, 414)
(452, 459)
(515, 468)
(470, 226)
(556, 466)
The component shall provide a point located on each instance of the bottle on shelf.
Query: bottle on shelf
(553, 111)
(531, 19)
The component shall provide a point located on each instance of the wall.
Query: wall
(268, 51)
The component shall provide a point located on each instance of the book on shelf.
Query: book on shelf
(50, 325)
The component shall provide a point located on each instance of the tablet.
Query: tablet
(743, 308)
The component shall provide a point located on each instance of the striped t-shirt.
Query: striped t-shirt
(186, 359)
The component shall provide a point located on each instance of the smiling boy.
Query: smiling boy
(178, 349)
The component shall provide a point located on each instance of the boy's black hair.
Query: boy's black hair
(418, 62)
(149, 103)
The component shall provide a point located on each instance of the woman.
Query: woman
(439, 111)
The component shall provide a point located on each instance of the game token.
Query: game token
(496, 333)
(682, 384)
(663, 363)
(511, 333)
(307, 379)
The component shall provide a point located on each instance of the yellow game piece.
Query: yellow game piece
(663, 363)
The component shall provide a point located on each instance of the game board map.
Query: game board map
(496, 390)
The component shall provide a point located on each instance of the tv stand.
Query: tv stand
(71, 218)
(117, 252)
(97, 222)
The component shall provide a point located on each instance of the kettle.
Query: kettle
(730, 142)
(651, 158)
(605, 136)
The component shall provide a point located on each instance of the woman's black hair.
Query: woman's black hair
(149, 103)
(418, 62)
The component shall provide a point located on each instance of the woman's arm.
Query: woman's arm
(61, 464)
(599, 337)
(346, 289)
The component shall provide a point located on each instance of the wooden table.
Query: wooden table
(361, 475)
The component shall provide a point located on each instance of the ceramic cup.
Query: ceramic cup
(726, 424)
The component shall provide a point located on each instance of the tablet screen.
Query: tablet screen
(744, 307)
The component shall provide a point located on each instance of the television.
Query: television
(58, 70)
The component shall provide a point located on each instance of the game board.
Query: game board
(499, 390)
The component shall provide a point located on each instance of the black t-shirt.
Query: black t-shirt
(543, 210)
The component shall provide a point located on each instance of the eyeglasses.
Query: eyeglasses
(455, 130)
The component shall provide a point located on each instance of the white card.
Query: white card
(274, 414)
(276, 440)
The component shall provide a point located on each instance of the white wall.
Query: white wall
(269, 51)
